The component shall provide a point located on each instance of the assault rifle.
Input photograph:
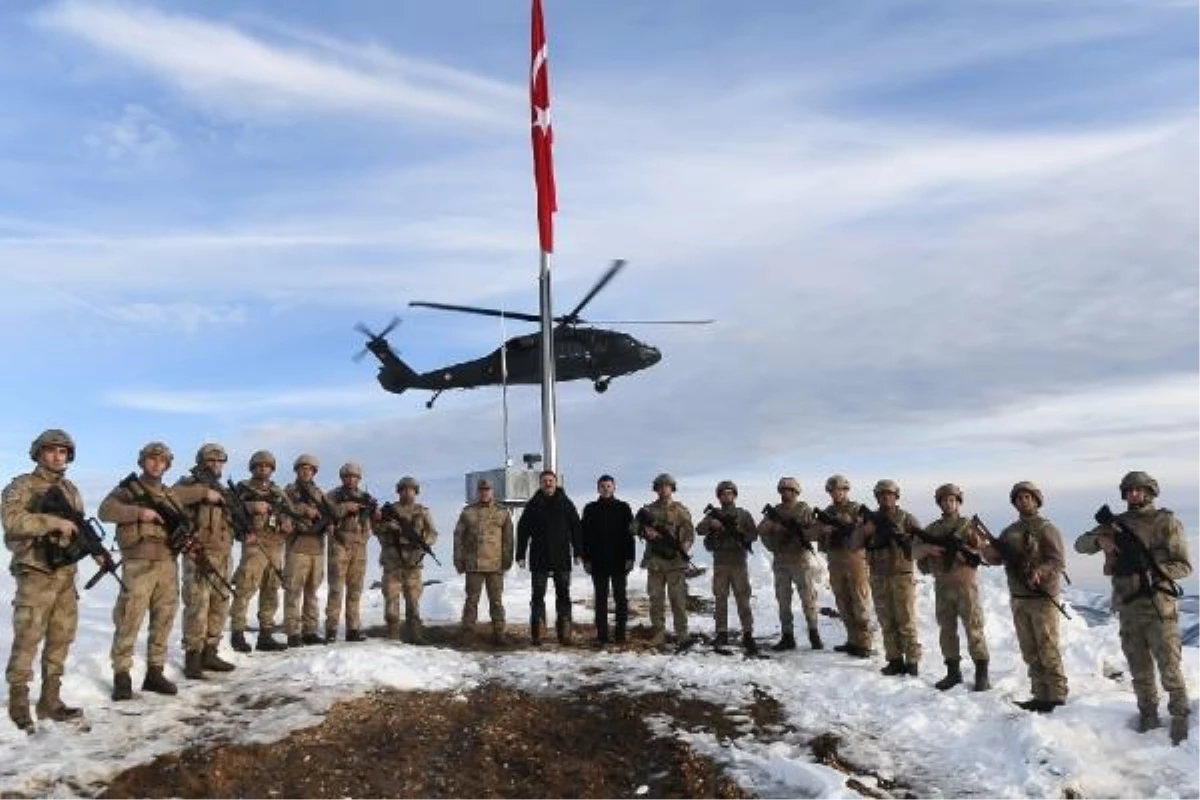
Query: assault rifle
(278, 504)
(181, 531)
(886, 532)
(666, 538)
(1135, 558)
(842, 531)
(790, 523)
(231, 507)
(952, 546)
(729, 524)
(1018, 562)
(408, 532)
(87, 541)
(325, 515)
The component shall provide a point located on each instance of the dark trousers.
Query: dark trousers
(562, 596)
(600, 582)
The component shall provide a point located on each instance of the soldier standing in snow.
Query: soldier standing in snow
(953, 559)
(483, 551)
(261, 563)
(347, 552)
(890, 532)
(666, 525)
(848, 573)
(1145, 552)
(45, 603)
(728, 533)
(788, 532)
(1031, 550)
(404, 526)
(305, 570)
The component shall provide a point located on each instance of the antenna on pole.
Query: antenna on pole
(504, 387)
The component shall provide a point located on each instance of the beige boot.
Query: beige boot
(1179, 729)
(50, 704)
(418, 632)
(18, 707)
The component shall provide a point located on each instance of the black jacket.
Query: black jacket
(549, 528)
(607, 540)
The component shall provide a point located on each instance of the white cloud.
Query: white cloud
(138, 135)
(242, 403)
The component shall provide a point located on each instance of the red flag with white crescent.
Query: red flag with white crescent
(543, 135)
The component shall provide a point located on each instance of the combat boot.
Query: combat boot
(293, 641)
(843, 648)
(211, 661)
(814, 640)
(1147, 721)
(311, 639)
(237, 640)
(786, 642)
(353, 635)
(953, 675)
(193, 667)
(854, 651)
(562, 629)
(393, 630)
(895, 666)
(1179, 729)
(418, 633)
(619, 635)
(50, 704)
(18, 707)
(657, 638)
(267, 643)
(748, 644)
(330, 635)
(122, 687)
(912, 668)
(155, 681)
(982, 683)
(498, 637)
(535, 632)
(721, 639)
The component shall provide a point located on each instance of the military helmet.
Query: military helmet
(155, 449)
(836, 482)
(306, 460)
(663, 479)
(788, 483)
(350, 468)
(1139, 480)
(406, 481)
(1026, 486)
(53, 437)
(726, 484)
(262, 457)
(947, 490)
(211, 450)
(887, 485)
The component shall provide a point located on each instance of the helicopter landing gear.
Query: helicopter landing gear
(602, 385)
(436, 395)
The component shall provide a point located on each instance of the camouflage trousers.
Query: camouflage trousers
(205, 605)
(849, 579)
(735, 576)
(954, 602)
(1149, 636)
(895, 606)
(255, 576)
(791, 572)
(152, 586)
(1036, 621)
(400, 581)
(304, 575)
(46, 613)
(661, 584)
(494, 581)
(347, 574)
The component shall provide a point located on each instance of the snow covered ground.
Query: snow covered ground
(941, 744)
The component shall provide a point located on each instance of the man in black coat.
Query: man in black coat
(608, 554)
(549, 529)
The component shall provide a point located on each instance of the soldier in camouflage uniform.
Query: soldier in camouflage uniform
(261, 564)
(728, 534)
(484, 546)
(205, 602)
(789, 536)
(952, 556)
(849, 577)
(664, 565)
(305, 570)
(402, 527)
(1031, 550)
(150, 571)
(1144, 595)
(45, 604)
(347, 553)
(890, 533)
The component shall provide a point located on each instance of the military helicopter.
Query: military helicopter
(580, 353)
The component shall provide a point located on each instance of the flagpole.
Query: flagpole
(547, 204)
(549, 411)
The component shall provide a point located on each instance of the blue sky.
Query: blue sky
(943, 240)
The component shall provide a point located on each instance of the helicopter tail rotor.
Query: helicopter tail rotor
(375, 341)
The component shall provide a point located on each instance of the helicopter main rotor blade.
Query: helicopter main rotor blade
(648, 321)
(483, 312)
(610, 273)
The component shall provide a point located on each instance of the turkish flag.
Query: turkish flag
(543, 135)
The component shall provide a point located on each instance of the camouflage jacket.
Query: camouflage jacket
(269, 526)
(397, 551)
(1162, 534)
(137, 538)
(483, 538)
(24, 525)
(950, 569)
(833, 541)
(213, 526)
(781, 539)
(353, 529)
(886, 554)
(305, 538)
(728, 547)
(1030, 546)
(669, 517)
